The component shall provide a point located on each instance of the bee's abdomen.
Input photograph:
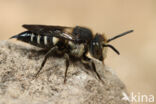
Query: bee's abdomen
(42, 41)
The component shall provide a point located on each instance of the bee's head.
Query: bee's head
(99, 44)
(97, 49)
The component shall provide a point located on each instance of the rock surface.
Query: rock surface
(19, 63)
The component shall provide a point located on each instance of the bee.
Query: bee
(78, 42)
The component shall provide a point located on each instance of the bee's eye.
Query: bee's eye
(96, 50)
(95, 44)
(101, 58)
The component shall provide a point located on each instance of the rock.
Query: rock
(19, 63)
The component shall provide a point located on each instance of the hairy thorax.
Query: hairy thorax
(77, 50)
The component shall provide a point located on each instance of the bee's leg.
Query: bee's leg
(94, 69)
(86, 60)
(45, 59)
(67, 65)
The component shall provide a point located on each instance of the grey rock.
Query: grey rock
(19, 63)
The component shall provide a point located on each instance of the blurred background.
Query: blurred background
(136, 66)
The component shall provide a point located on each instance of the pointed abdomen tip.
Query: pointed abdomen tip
(15, 36)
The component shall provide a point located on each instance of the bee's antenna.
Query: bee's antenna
(113, 48)
(122, 34)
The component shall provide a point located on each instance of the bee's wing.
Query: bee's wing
(56, 31)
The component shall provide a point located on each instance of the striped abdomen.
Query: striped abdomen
(42, 41)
